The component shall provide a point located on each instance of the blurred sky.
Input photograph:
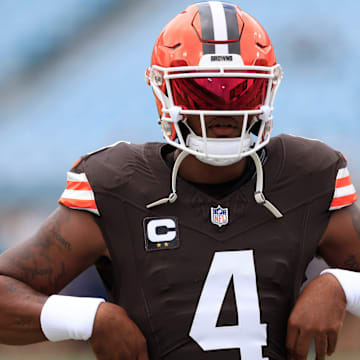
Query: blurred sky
(72, 80)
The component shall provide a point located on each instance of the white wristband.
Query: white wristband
(68, 317)
(350, 282)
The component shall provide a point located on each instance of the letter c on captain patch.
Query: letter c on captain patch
(161, 233)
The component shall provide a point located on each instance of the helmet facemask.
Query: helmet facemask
(223, 90)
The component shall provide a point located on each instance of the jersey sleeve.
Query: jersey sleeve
(344, 193)
(78, 193)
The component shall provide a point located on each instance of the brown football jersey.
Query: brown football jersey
(208, 278)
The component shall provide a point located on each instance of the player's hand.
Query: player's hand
(318, 314)
(115, 336)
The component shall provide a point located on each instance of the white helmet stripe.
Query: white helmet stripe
(220, 27)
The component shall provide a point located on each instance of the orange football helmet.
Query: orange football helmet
(214, 59)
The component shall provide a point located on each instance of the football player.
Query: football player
(202, 241)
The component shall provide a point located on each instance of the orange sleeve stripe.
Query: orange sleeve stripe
(76, 162)
(343, 182)
(81, 204)
(344, 200)
(78, 185)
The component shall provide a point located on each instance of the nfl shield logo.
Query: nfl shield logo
(219, 216)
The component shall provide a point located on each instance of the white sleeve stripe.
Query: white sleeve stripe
(338, 207)
(344, 191)
(78, 194)
(71, 176)
(342, 173)
(95, 211)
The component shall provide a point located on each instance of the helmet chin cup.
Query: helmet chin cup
(219, 152)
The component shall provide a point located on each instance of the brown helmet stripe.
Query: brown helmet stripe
(207, 27)
(232, 26)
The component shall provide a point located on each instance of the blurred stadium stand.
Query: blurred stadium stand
(40, 30)
(72, 80)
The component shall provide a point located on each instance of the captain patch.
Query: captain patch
(161, 233)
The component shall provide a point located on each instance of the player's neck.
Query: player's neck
(196, 171)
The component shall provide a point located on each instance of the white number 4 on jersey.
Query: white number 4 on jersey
(249, 335)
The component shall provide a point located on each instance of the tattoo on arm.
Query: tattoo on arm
(49, 238)
(60, 239)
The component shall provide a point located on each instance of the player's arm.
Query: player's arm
(340, 244)
(320, 309)
(66, 244)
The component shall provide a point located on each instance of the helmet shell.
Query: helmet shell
(182, 40)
